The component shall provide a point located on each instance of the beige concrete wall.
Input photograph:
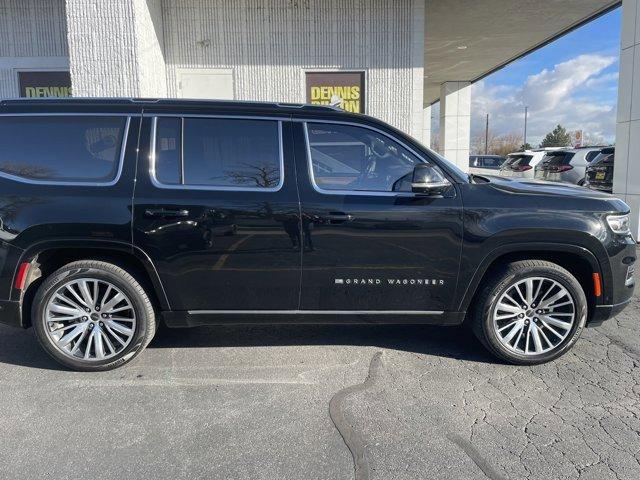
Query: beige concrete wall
(455, 122)
(626, 183)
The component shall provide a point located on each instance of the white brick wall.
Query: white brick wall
(150, 38)
(270, 43)
(133, 47)
(115, 48)
(101, 47)
(32, 36)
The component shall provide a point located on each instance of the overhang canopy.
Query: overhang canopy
(494, 32)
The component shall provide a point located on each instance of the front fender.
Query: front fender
(471, 277)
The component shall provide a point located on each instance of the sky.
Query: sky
(572, 81)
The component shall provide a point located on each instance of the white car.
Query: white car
(522, 164)
(485, 164)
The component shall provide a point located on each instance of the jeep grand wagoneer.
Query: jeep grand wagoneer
(118, 214)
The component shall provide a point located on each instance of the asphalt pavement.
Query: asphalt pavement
(325, 402)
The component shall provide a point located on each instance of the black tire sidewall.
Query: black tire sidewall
(563, 278)
(64, 275)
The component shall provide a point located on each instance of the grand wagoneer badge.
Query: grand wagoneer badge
(389, 281)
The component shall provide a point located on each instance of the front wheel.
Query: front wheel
(92, 315)
(531, 312)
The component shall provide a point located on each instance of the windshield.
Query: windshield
(557, 158)
(605, 156)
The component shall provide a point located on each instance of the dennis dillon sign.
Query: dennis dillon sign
(341, 89)
(44, 84)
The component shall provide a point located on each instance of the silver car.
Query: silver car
(567, 165)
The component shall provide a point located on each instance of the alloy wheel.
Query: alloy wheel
(90, 319)
(534, 316)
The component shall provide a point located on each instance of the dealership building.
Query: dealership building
(389, 59)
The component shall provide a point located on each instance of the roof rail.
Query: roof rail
(310, 106)
(112, 100)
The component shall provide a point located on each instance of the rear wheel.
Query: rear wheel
(531, 312)
(92, 315)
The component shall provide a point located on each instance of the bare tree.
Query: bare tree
(506, 144)
(593, 139)
(496, 145)
(479, 143)
(257, 175)
(435, 142)
(28, 171)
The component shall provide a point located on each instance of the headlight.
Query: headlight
(619, 224)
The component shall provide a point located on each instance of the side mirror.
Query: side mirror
(428, 180)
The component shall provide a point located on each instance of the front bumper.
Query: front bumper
(621, 284)
(605, 312)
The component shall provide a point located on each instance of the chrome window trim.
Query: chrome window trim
(152, 157)
(376, 193)
(318, 312)
(240, 116)
(69, 183)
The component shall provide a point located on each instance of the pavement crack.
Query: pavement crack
(350, 436)
(475, 456)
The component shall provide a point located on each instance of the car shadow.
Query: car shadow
(454, 342)
(19, 347)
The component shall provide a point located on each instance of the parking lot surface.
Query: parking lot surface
(337, 402)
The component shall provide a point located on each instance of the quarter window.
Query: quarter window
(218, 152)
(346, 157)
(168, 166)
(61, 148)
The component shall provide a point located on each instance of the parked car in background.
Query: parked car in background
(485, 164)
(566, 165)
(521, 164)
(599, 174)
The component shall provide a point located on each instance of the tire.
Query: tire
(112, 337)
(494, 314)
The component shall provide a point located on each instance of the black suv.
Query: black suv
(599, 174)
(116, 214)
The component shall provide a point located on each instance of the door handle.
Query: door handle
(166, 212)
(339, 217)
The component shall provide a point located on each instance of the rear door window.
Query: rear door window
(218, 153)
(65, 148)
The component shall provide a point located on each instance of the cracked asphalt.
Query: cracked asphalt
(339, 402)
